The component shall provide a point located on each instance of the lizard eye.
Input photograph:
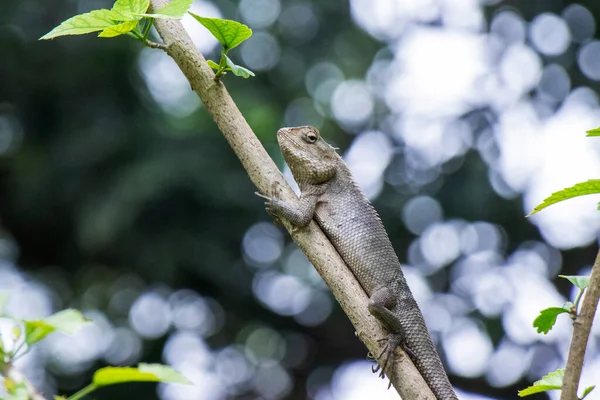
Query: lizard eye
(311, 137)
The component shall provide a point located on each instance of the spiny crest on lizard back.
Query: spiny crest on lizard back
(310, 158)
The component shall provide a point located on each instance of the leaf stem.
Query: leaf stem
(577, 300)
(83, 392)
(147, 42)
(222, 64)
(14, 356)
(147, 29)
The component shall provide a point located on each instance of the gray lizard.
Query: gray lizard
(330, 195)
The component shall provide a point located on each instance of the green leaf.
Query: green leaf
(175, 9)
(16, 331)
(36, 331)
(67, 321)
(113, 375)
(129, 10)
(93, 21)
(60, 398)
(212, 64)
(164, 373)
(116, 21)
(580, 282)
(552, 381)
(144, 373)
(587, 391)
(547, 318)
(229, 33)
(3, 301)
(592, 186)
(120, 29)
(593, 132)
(237, 70)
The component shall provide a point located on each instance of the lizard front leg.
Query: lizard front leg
(298, 213)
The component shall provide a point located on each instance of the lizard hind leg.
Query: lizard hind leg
(381, 302)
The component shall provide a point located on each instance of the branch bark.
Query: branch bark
(581, 333)
(264, 173)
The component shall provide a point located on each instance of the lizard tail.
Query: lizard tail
(427, 361)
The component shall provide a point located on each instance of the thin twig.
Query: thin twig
(155, 45)
(143, 37)
(18, 378)
(264, 173)
(581, 332)
(147, 29)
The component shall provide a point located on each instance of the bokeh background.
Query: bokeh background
(120, 197)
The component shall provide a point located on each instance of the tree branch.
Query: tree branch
(263, 172)
(581, 333)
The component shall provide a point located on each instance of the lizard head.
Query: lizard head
(310, 158)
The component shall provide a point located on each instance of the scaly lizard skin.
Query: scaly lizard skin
(330, 196)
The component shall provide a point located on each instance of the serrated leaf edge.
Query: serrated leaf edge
(565, 194)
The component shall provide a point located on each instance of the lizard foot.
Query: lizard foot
(371, 357)
(392, 342)
(271, 203)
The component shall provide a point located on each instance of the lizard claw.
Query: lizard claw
(270, 203)
(376, 367)
(259, 194)
(392, 341)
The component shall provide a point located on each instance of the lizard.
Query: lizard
(330, 195)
